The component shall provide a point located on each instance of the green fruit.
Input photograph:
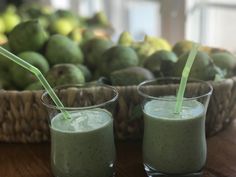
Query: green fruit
(63, 74)
(166, 68)
(158, 43)
(2, 26)
(81, 36)
(99, 19)
(130, 76)
(35, 86)
(153, 62)
(27, 36)
(44, 21)
(63, 22)
(87, 34)
(225, 61)
(200, 68)
(21, 77)
(116, 58)
(10, 21)
(149, 46)
(93, 49)
(62, 26)
(125, 39)
(35, 11)
(76, 35)
(86, 72)
(181, 47)
(61, 49)
(143, 50)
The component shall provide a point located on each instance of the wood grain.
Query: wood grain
(33, 160)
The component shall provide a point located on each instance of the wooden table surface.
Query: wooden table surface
(33, 160)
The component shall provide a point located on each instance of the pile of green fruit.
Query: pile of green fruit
(57, 56)
(62, 22)
(66, 59)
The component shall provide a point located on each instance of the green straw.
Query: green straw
(40, 77)
(184, 78)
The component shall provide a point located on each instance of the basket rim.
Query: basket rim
(116, 86)
(67, 86)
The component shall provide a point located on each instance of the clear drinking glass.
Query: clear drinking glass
(84, 144)
(174, 144)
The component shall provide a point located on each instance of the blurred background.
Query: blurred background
(210, 22)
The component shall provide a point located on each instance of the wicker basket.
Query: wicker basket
(23, 118)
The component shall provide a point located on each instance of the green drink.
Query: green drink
(82, 145)
(78, 144)
(174, 143)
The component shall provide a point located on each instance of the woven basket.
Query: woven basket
(23, 118)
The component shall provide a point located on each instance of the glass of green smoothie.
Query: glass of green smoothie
(82, 145)
(174, 144)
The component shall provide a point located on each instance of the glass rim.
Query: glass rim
(52, 106)
(142, 84)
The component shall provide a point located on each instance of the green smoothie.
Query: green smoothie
(174, 143)
(83, 146)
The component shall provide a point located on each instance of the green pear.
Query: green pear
(125, 39)
(81, 36)
(93, 50)
(226, 61)
(10, 21)
(86, 72)
(148, 46)
(63, 22)
(62, 26)
(99, 19)
(61, 49)
(27, 36)
(76, 35)
(62, 74)
(182, 46)
(116, 58)
(203, 67)
(2, 26)
(130, 76)
(22, 77)
(153, 62)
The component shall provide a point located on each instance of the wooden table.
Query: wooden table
(32, 160)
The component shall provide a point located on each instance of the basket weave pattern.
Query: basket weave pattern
(23, 118)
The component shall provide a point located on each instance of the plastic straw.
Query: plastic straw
(184, 78)
(40, 77)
